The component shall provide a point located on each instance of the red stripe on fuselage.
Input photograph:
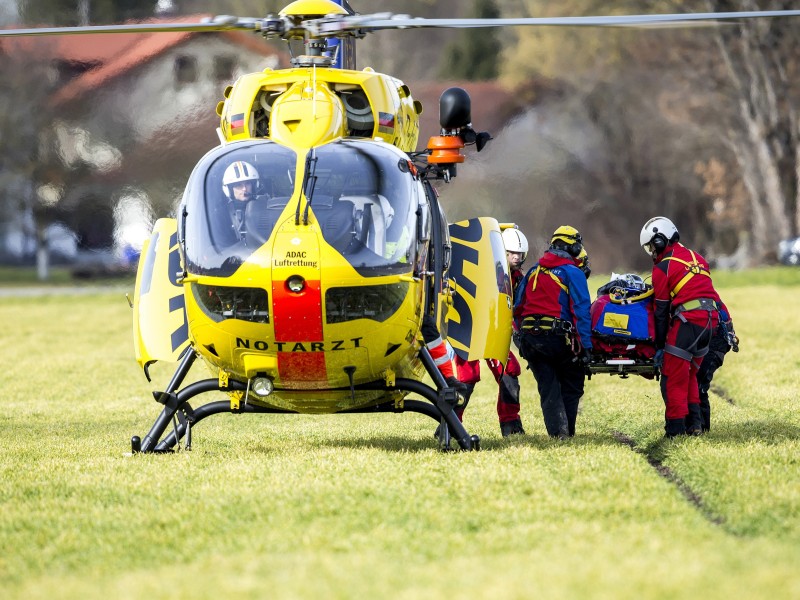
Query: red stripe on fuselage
(301, 366)
(298, 317)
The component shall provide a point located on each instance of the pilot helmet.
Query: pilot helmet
(238, 172)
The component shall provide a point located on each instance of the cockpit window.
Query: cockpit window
(365, 200)
(232, 204)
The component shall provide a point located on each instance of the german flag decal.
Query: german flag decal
(237, 124)
(385, 122)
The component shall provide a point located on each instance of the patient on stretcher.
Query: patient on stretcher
(622, 319)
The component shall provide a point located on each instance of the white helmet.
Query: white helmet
(237, 172)
(515, 241)
(656, 234)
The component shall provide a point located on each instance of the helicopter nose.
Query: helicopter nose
(297, 307)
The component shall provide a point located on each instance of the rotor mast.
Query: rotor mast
(319, 51)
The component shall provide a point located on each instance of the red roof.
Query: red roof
(117, 53)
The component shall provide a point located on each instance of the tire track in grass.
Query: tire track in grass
(665, 472)
(723, 394)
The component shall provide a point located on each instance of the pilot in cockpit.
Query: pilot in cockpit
(240, 183)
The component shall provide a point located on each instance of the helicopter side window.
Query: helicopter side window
(423, 230)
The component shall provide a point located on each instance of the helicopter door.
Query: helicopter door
(160, 330)
(479, 322)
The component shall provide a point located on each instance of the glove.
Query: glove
(731, 337)
(461, 389)
(734, 342)
(585, 357)
(658, 359)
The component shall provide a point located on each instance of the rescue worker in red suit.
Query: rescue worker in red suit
(686, 316)
(552, 311)
(469, 372)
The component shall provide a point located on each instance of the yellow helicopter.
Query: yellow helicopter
(310, 246)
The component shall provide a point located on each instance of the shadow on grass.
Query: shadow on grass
(412, 443)
(767, 432)
(653, 445)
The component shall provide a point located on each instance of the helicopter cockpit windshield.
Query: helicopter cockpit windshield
(365, 198)
(231, 194)
(362, 196)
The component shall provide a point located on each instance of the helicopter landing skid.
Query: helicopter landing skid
(178, 412)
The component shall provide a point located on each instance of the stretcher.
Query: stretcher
(622, 364)
(623, 329)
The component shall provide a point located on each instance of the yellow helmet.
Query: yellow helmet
(567, 238)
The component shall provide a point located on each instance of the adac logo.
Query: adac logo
(294, 258)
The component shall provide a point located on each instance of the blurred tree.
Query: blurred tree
(475, 54)
(410, 54)
(29, 192)
(669, 103)
(760, 123)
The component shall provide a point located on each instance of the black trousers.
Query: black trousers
(559, 377)
(711, 362)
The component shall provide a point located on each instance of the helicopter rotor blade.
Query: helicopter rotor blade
(341, 25)
(220, 23)
(358, 25)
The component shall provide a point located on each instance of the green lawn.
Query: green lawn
(60, 276)
(357, 506)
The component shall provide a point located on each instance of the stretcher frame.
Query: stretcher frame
(623, 366)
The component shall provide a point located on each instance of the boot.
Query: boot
(705, 410)
(694, 420)
(511, 428)
(674, 427)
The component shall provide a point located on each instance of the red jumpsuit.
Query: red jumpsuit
(686, 316)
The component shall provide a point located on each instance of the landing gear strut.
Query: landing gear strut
(183, 417)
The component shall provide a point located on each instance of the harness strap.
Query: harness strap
(693, 268)
(541, 269)
(685, 354)
(539, 323)
(707, 304)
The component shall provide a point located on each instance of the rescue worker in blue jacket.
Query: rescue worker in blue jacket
(551, 310)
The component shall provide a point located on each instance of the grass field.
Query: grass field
(365, 506)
